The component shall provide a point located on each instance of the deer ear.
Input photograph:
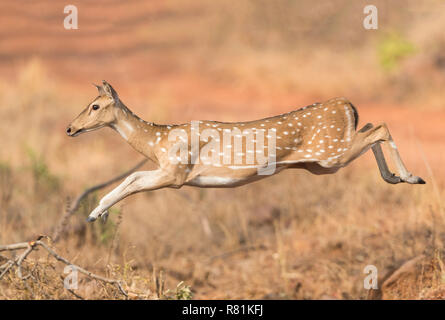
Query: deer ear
(108, 89)
(100, 89)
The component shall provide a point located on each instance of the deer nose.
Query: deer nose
(68, 130)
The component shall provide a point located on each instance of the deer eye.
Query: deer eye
(95, 106)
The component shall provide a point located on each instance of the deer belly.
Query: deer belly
(217, 182)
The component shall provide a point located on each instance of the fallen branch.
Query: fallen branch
(75, 294)
(31, 246)
(75, 205)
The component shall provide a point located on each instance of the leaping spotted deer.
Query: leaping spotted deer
(320, 138)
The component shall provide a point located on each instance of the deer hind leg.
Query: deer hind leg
(405, 175)
(387, 175)
(136, 182)
(371, 137)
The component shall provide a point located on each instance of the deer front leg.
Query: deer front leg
(136, 182)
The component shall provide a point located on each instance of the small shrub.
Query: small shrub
(44, 180)
(6, 183)
(392, 49)
(183, 292)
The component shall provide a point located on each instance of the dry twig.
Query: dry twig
(75, 205)
(31, 246)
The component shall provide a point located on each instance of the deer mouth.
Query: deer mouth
(72, 133)
(75, 134)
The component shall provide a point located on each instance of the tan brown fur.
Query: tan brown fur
(320, 138)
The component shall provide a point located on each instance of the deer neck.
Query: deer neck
(137, 132)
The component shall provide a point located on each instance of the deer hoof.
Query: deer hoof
(417, 180)
(414, 180)
(104, 217)
(96, 213)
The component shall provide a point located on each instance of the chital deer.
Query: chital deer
(320, 138)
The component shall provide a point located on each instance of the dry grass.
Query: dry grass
(294, 235)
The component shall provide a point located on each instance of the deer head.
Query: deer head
(99, 113)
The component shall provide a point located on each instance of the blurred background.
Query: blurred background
(292, 236)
